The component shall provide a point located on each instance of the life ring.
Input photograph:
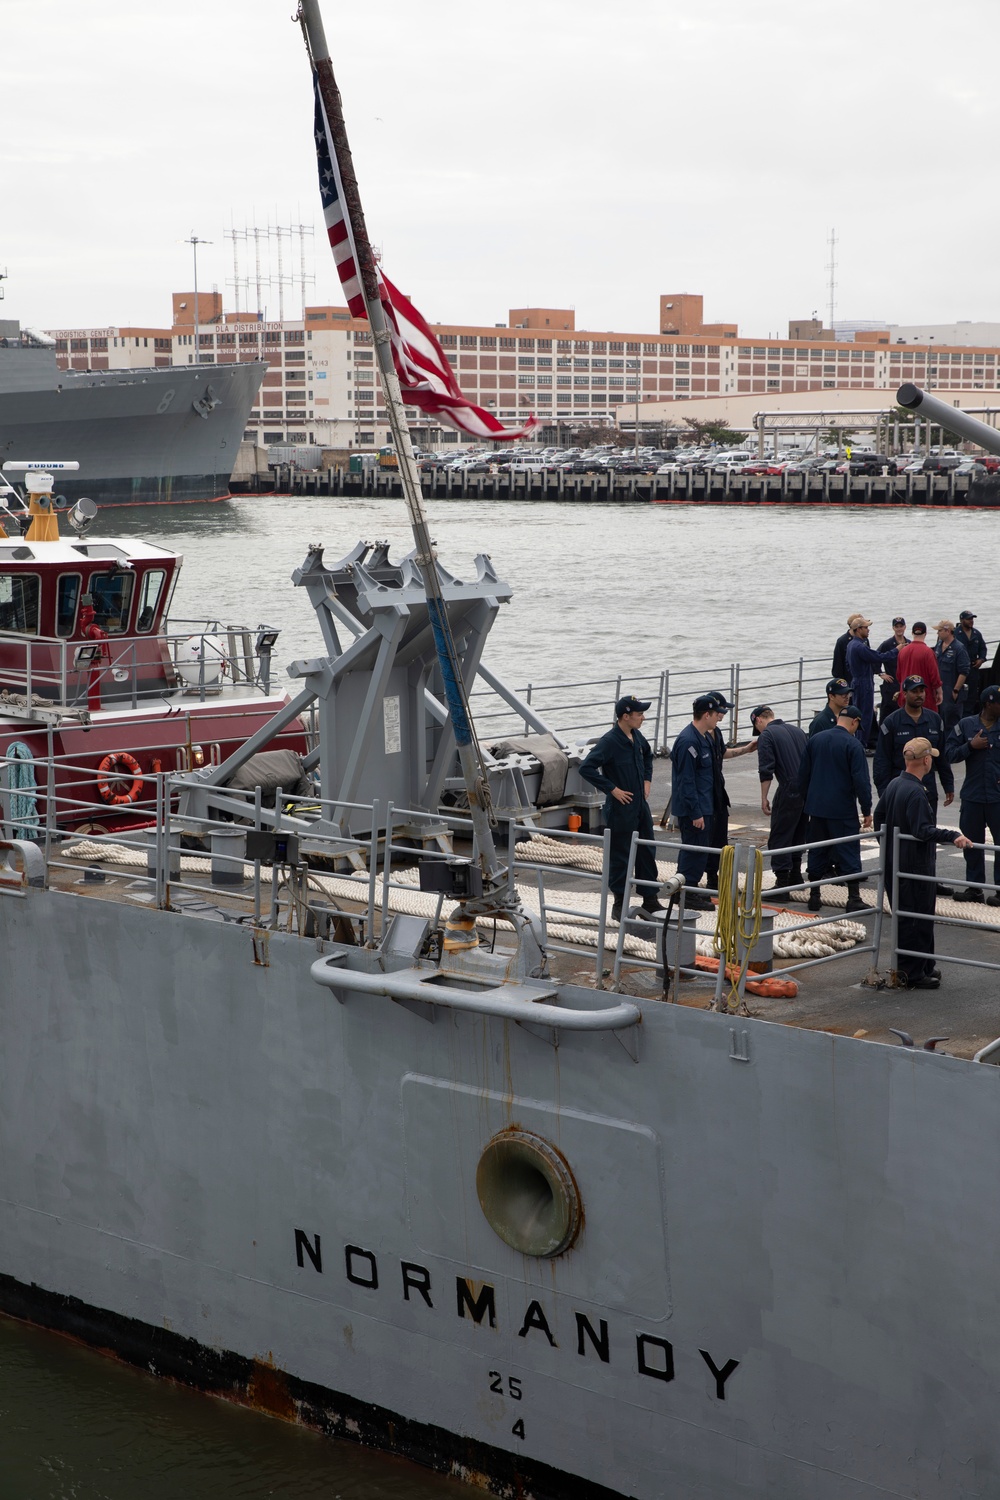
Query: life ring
(113, 774)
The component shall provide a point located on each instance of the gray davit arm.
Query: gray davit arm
(943, 415)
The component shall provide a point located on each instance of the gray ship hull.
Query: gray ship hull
(784, 1285)
(165, 434)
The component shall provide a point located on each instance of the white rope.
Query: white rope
(579, 928)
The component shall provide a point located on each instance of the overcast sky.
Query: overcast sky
(538, 152)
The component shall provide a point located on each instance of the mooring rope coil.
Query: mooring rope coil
(740, 914)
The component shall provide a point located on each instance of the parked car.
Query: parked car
(868, 463)
(729, 463)
(941, 463)
(973, 467)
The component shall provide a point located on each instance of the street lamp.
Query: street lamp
(638, 398)
(194, 242)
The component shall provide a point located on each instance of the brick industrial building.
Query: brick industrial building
(321, 386)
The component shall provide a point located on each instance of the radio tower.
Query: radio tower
(832, 268)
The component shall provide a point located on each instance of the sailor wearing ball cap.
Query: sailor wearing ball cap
(968, 636)
(621, 766)
(719, 833)
(833, 780)
(838, 667)
(905, 806)
(953, 664)
(838, 696)
(914, 720)
(976, 740)
(862, 661)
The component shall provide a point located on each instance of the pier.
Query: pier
(630, 489)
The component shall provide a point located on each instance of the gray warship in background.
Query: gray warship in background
(166, 434)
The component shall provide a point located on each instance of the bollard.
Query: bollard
(680, 941)
(173, 856)
(228, 852)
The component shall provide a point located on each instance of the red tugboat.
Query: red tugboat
(94, 673)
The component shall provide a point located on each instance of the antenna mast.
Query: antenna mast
(832, 268)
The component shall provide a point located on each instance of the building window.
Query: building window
(468, 341)
(545, 380)
(526, 363)
(446, 340)
(526, 380)
(544, 363)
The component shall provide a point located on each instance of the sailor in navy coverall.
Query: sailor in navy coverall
(913, 721)
(862, 661)
(976, 740)
(692, 797)
(906, 806)
(621, 765)
(833, 779)
(953, 664)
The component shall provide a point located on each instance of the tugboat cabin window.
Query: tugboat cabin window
(112, 595)
(67, 598)
(19, 593)
(149, 598)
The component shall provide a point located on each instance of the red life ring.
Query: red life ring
(113, 774)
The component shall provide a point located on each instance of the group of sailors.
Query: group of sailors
(821, 783)
(951, 669)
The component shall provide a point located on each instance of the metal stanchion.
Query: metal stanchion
(626, 897)
(603, 913)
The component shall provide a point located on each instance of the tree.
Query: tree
(714, 432)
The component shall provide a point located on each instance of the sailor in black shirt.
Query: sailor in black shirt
(905, 806)
(838, 696)
(779, 755)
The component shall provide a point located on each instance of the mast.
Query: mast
(497, 892)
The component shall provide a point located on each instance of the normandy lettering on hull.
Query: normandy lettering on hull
(476, 1300)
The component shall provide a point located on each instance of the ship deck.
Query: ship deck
(837, 997)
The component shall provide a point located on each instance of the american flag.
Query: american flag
(425, 376)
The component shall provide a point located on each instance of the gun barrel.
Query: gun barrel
(943, 415)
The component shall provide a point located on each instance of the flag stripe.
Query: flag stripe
(427, 381)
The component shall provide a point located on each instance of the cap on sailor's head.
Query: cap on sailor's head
(918, 748)
(630, 704)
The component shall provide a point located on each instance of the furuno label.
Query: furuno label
(475, 1301)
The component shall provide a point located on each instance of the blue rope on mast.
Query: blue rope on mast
(453, 690)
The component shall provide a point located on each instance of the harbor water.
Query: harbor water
(598, 592)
